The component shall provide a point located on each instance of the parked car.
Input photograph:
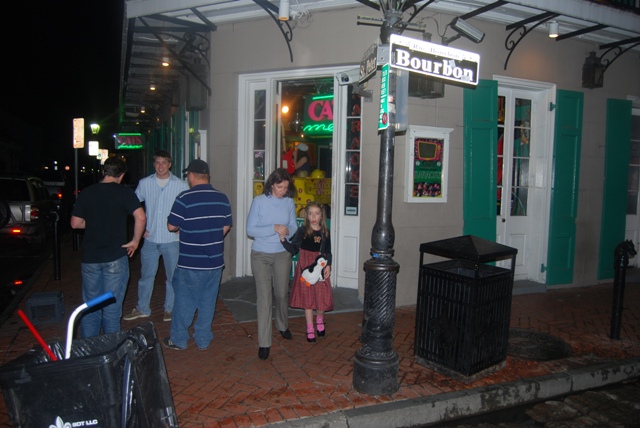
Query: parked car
(60, 191)
(28, 219)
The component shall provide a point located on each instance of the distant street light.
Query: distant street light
(95, 128)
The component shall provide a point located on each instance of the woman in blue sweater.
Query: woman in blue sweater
(272, 217)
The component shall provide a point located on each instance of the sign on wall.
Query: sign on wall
(427, 164)
(129, 141)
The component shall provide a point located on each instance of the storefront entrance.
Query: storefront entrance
(287, 116)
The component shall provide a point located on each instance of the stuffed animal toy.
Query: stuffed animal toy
(313, 273)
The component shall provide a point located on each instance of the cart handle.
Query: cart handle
(35, 333)
(91, 303)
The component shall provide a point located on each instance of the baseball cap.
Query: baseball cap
(303, 147)
(197, 166)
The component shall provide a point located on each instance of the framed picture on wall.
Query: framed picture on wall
(427, 164)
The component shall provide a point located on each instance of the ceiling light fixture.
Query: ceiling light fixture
(142, 110)
(283, 10)
(553, 29)
(165, 61)
(152, 87)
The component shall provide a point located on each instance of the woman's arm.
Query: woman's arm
(254, 229)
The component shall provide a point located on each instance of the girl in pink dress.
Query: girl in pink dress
(312, 241)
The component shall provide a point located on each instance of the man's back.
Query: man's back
(105, 207)
(202, 214)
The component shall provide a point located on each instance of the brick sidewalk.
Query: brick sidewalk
(228, 386)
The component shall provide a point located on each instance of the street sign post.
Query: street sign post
(437, 61)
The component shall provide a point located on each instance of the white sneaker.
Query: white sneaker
(135, 313)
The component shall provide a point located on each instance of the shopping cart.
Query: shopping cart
(113, 380)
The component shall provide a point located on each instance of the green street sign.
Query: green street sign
(383, 119)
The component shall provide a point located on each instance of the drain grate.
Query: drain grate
(534, 345)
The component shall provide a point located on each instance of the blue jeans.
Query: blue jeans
(195, 290)
(97, 279)
(149, 257)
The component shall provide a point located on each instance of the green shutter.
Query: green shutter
(480, 159)
(564, 187)
(616, 175)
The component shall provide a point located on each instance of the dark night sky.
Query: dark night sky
(61, 61)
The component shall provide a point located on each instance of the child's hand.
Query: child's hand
(327, 271)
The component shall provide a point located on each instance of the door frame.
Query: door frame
(540, 178)
(632, 222)
(247, 83)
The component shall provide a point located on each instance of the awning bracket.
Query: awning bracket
(287, 33)
(540, 19)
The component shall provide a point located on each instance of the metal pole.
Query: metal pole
(56, 246)
(74, 233)
(376, 363)
(621, 262)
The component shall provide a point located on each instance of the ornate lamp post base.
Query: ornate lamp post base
(377, 375)
(375, 367)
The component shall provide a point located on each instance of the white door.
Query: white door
(633, 199)
(523, 181)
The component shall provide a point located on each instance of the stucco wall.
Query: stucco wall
(334, 38)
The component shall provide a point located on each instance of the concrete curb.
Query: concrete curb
(447, 407)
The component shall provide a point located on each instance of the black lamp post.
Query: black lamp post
(376, 363)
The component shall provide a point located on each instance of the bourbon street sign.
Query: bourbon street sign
(434, 60)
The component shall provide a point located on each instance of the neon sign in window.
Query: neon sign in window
(318, 116)
(129, 141)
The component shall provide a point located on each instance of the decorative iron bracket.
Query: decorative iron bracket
(287, 33)
(617, 51)
(521, 25)
(175, 55)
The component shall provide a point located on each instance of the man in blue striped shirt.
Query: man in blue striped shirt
(158, 192)
(202, 215)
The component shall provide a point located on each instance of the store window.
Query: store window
(352, 159)
(259, 140)
(514, 137)
(633, 187)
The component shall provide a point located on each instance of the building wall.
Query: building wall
(334, 38)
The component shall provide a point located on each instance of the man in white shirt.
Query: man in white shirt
(158, 192)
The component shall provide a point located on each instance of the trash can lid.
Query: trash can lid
(468, 247)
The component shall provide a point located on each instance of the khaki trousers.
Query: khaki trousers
(271, 272)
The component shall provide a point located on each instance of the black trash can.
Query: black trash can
(463, 307)
(114, 380)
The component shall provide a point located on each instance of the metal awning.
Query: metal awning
(179, 31)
